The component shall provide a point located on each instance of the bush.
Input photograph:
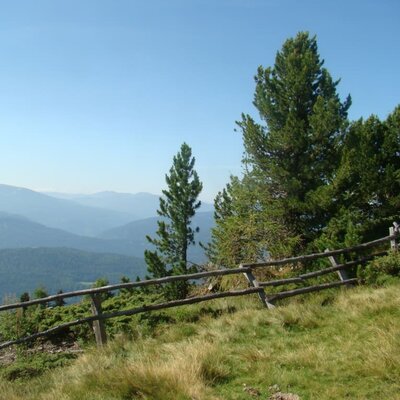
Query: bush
(382, 270)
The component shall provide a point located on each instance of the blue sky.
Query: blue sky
(99, 95)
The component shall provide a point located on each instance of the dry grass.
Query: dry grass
(348, 347)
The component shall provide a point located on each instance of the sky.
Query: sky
(100, 94)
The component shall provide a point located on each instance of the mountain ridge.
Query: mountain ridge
(59, 213)
(20, 232)
(141, 204)
(129, 239)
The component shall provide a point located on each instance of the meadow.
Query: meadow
(332, 345)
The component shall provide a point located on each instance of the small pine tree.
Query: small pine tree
(59, 302)
(40, 293)
(126, 291)
(175, 233)
(24, 297)
(100, 283)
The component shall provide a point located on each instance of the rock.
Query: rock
(251, 391)
(274, 388)
(284, 396)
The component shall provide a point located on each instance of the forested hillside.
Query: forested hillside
(24, 270)
(58, 259)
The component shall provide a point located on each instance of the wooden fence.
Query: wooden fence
(98, 317)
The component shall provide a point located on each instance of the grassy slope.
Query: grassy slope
(334, 345)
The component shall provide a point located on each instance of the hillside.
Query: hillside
(24, 270)
(335, 345)
(59, 213)
(20, 232)
(55, 257)
(135, 233)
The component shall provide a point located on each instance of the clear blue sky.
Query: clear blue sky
(99, 95)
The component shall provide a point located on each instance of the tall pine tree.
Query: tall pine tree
(175, 233)
(296, 150)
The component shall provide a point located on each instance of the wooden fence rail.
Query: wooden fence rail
(109, 288)
(314, 256)
(138, 310)
(98, 317)
(302, 277)
(309, 289)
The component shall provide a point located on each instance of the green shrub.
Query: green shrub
(382, 270)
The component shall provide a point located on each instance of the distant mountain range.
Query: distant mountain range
(135, 233)
(138, 205)
(65, 233)
(59, 213)
(129, 239)
(20, 232)
(87, 215)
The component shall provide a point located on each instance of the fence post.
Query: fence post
(394, 230)
(343, 274)
(98, 325)
(254, 283)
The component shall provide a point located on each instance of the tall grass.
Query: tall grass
(333, 345)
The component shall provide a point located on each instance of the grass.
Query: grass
(334, 345)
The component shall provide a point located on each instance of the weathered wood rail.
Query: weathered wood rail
(98, 317)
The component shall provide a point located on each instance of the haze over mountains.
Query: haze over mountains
(138, 205)
(20, 232)
(85, 215)
(59, 213)
(135, 233)
(129, 239)
(94, 228)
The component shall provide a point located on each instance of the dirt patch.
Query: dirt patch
(9, 355)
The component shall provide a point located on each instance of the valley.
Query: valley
(66, 242)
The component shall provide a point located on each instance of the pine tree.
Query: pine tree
(367, 183)
(40, 293)
(24, 297)
(59, 302)
(297, 149)
(248, 227)
(175, 233)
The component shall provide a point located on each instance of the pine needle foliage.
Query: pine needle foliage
(297, 150)
(284, 199)
(175, 233)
